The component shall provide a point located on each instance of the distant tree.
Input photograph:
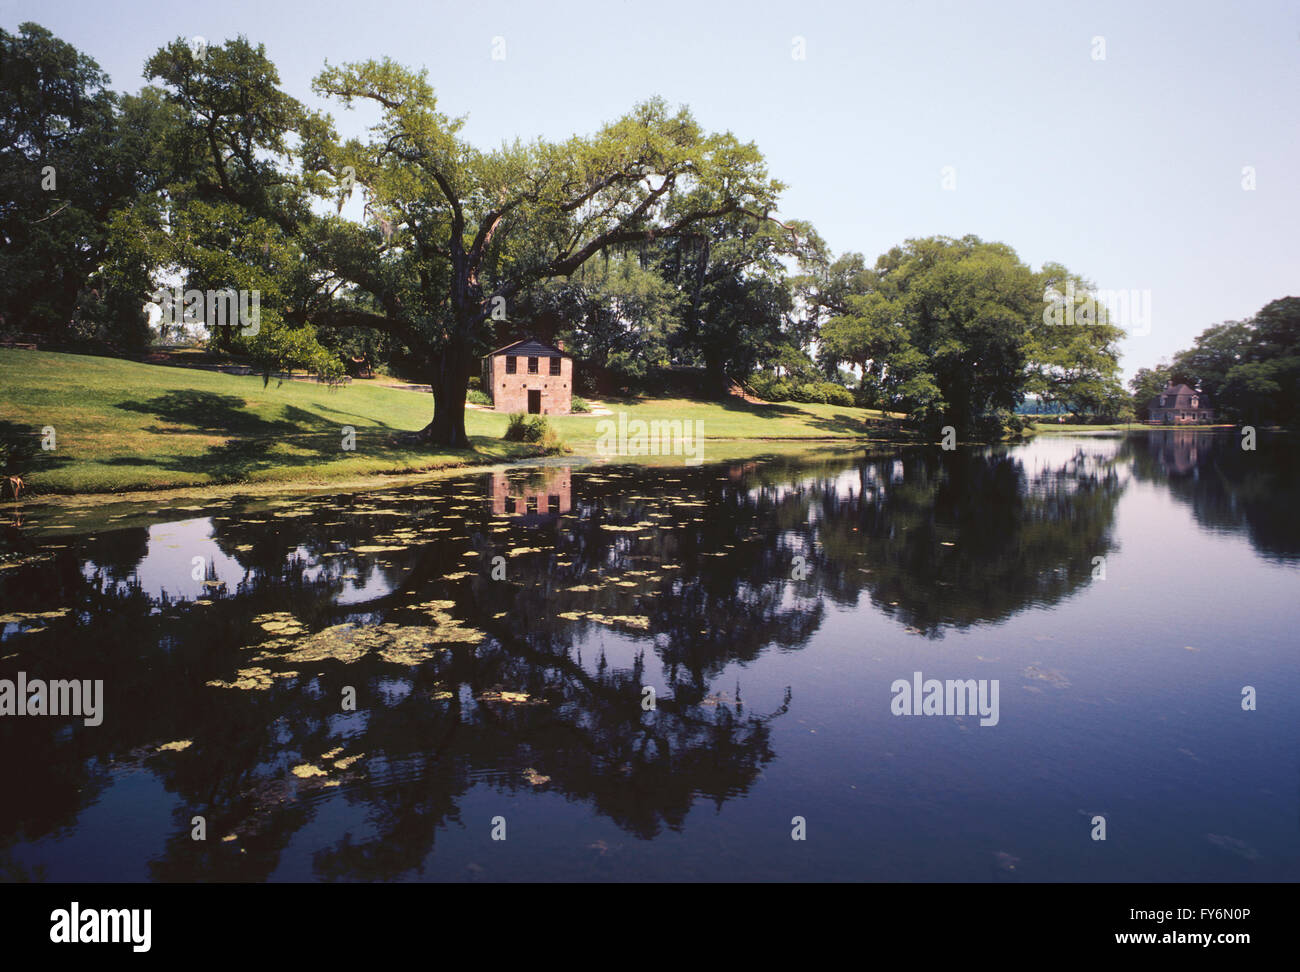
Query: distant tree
(869, 333)
(822, 290)
(736, 299)
(616, 313)
(234, 203)
(959, 331)
(1146, 384)
(1249, 369)
(944, 332)
(1074, 348)
(1215, 352)
(69, 159)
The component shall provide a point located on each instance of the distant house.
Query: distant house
(529, 376)
(1180, 405)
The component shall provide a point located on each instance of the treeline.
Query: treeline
(650, 248)
(1250, 369)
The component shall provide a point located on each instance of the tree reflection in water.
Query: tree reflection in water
(615, 578)
(1228, 488)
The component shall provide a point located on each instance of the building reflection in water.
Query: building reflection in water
(1178, 450)
(538, 493)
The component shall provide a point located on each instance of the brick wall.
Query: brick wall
(510, 392)
(553, 496)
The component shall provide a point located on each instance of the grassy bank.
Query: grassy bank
(122, 426)
(1076, 427)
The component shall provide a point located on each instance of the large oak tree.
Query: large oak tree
(455, 233)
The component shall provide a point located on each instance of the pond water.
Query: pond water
(371, 686)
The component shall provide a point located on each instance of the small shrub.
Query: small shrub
(477, 397)
(839, 396)
(804, 393)
(823, 393)
(535, 428)
(809, 392)
(552, 444)
(1015, 425)
(770, 388)
(518, 428)
(580, 405)
(1000, 424)
(773, 389)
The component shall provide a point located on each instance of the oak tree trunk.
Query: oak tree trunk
(450, 382)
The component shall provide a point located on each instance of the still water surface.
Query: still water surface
(770, 604)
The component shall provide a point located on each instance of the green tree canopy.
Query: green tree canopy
(69, 160)
(1250, 369)
(457, 233)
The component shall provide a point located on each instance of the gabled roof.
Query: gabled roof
(1180, 396)
(529, 347)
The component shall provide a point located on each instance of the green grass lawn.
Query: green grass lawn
(120, 425)
(732, 419)
(1054, 426)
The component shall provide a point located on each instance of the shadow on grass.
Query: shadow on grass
(840, 423)
(297, 439)
(209, 412)
(364, 418)
(765, 410)
(214, 414)
(21, 453)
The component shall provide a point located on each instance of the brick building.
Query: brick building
(529, 376)
(1180, 405)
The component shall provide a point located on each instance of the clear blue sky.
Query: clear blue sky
(1128, 170)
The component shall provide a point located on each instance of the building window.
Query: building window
(532, 366)
(555, 366)
(553, 503)
(511, 366)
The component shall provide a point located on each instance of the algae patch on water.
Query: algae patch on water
(279, 623)
(639, 622)
(251, 679)
(398, 644)
(350, 642)
(513, 698)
